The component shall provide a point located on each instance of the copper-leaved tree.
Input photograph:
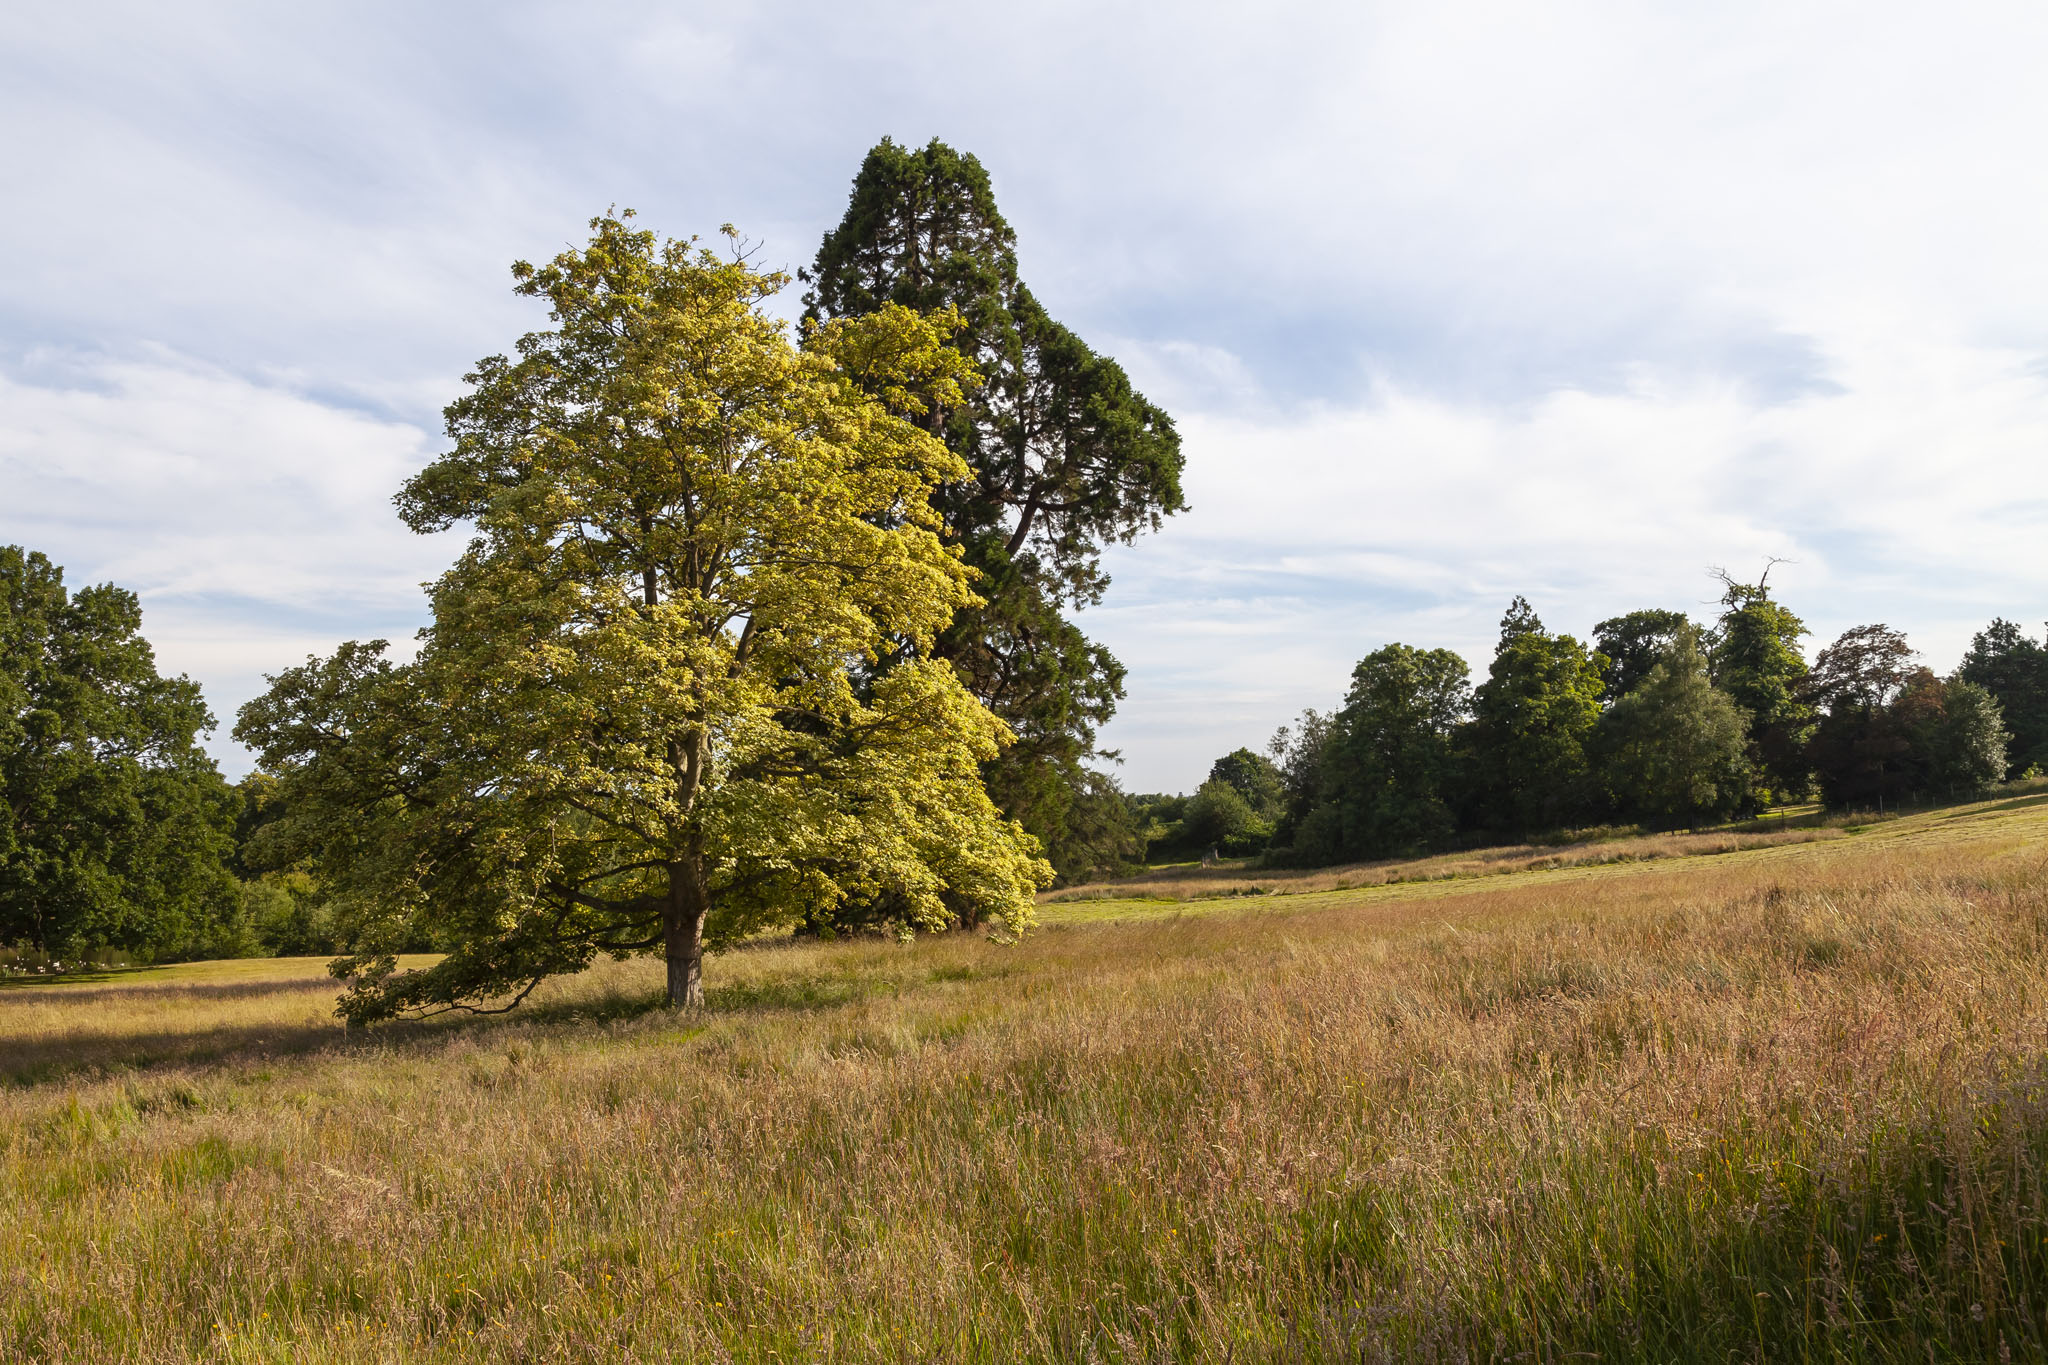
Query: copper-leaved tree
(645, 717)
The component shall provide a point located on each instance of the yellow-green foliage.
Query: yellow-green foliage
(647, 714)
(1785, 1102)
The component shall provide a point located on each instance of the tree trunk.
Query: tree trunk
(682, 934)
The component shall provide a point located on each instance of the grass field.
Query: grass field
(1786, 1101)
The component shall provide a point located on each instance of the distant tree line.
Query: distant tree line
(1656, 721)
(121, 835)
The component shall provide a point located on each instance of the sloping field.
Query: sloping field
(1452, 873)
(1188, 882)
(1780, 1102)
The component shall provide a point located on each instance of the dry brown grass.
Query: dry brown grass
(1780, 1103)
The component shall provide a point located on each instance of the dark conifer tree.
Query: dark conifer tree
(1064, 455)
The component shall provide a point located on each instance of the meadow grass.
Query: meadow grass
(1785, 1102)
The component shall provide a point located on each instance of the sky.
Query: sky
(1449, 301)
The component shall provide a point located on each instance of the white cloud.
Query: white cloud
(255, 522)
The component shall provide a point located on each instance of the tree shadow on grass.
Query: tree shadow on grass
(89, 1052)
(94, 1044)
(87, 990)
(12, 982)
(85, 1055)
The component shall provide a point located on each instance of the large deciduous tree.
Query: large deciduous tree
(1957, 734)
(1387, 765)
(115, 826)
(1062, 457)
(1531, 719)
(1219, 817)
(1865, 666)
(1298, 752)
(1672, 748)
(1254, 777)
(647, 716)
(1755, 658)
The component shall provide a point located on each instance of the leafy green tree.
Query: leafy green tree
(289, 913)
(289, 916)
(1858, 750)
(1531, 719)
(1859, 756)
(1219, 817)
(1387, 766)
(1062, 457)
(256, 805)
(645, 717)
(115, 828)
(2013, 668)
(1865, 666)
(1158, 816)
(1255, 779)
(1633, 645)
(1673, 748)
(1755, 658)
(1892, 731)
